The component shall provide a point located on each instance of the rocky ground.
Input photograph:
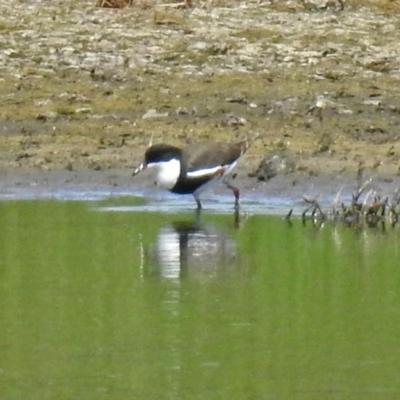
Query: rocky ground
(83, 88)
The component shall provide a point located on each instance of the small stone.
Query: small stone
(83, 110)
(237, 98)
(372, 102)
(272, 165)
(48, 115)
(165, 90)
(182, 111)
(234, 121)
(153, 113)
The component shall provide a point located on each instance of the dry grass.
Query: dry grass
(114, 3)
(384, 6)
(367, 208)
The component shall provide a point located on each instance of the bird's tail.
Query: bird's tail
(248, 142)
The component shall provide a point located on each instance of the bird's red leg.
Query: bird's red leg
(236, 193)
(234, 189)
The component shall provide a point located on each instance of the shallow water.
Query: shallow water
(101, 300)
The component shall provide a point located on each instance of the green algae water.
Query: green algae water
(100, 304)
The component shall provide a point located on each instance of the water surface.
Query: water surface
(103, 302)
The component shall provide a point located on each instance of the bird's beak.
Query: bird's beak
(141, 167)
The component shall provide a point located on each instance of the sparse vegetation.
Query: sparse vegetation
(114, 3)
(366, 208)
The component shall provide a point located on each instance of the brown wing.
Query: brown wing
(210, 155)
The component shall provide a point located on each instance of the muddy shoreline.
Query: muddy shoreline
(84, 88)
(288, 189)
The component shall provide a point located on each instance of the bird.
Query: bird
(193, 168)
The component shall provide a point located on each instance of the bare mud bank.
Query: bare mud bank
(84, 88)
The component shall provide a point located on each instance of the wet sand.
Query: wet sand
(277, 194)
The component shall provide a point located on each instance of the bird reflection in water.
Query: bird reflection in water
(190, 248)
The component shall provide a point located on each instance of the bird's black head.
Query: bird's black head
(161, 153)
(157, 154)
